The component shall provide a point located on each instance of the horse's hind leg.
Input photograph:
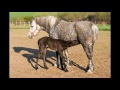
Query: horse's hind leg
(89, 52)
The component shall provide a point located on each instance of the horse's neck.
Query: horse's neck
(48, 23)
(47, 30)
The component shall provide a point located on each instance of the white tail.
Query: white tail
(96, 31)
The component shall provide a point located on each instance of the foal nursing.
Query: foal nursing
(57, 45)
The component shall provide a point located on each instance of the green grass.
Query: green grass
(17, 15)
(104, 27)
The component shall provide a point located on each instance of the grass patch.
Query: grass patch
(104, 27)
(20, 15)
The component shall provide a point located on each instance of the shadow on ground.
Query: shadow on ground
(32, 57)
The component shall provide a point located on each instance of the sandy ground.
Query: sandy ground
(22, 49)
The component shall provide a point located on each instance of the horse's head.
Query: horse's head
(34, 29)
(45, 23)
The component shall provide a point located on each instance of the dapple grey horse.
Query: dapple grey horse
(84, 31)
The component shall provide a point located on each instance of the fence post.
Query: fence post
(29, 23)
(20, 23)
(16, 22)
(24, 23)
(12, 23)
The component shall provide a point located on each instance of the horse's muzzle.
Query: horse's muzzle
(30, 35)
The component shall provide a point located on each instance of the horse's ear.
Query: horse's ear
(30, 21)
(36, 20)
(57, 21)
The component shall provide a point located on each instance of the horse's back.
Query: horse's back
(64, 30)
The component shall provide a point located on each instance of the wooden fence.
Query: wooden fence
(26, 24)
(21, 23)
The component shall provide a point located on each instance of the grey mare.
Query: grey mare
(84, 31)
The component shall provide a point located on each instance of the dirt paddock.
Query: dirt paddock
(23, 52)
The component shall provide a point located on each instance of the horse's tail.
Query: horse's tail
(96, 31)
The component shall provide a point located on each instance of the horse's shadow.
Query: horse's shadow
(78, 66)
(33, 56)
(49, 54)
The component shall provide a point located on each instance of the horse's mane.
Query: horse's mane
(47, 22)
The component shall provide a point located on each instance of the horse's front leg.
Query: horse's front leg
(62, 60)
(57, 64)
(58, 59)
(67, 58)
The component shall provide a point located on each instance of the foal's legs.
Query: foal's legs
(43, 53)
(63, 65)
(58, 58)
(44, 61)
(59, 61)
(38, 56)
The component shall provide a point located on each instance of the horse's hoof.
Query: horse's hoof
(89, 71)
(55, 65)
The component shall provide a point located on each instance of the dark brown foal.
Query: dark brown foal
(54, 44)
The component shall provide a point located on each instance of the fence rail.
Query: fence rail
(26, 24)
(19, 24)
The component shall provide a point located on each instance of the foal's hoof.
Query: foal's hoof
(46, 68)
(36, 68)
(57, 66)
(66, 70)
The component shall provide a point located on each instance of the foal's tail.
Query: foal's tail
(96, 31)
